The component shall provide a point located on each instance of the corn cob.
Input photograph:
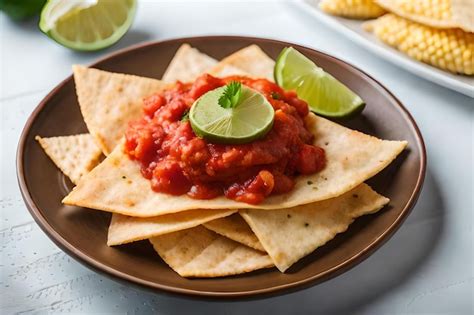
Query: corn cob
(356, 9)
(448, 49)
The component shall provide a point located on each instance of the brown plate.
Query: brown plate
(82, 232)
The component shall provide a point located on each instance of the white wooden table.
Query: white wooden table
(427, 267)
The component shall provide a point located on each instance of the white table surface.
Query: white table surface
(426, 268)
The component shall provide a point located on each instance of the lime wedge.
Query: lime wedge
(87, 24)
(250, 120)
(324, 94)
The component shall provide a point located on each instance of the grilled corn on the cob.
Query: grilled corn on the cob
(448, 49)
(356, 9)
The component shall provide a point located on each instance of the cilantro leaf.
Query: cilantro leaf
(185, 116)
(231, 96)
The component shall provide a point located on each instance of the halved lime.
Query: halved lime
(87, 24)
(249, 121)
(324, 94)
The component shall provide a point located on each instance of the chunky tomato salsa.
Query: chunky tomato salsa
(179, 162)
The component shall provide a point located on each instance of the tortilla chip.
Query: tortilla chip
(187, 64)
(235, 228)
(227, 70)
(74, 155)
(290, 234)
(116, 185)
(463, 14)
(398, 7)
(251, 60)
(124, 229)
(109, 100)
(199, 252)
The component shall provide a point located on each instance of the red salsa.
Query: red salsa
(178, 162)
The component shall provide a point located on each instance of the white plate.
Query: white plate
(353, 30)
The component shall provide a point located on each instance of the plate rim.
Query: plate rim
(115, 274)
(382, 51)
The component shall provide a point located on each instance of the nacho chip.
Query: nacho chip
(74, 155)
(187, 64)
(290, 234)
(463, 14)
(438, 14)
(251, 60)
(227, 70)
(109, 100)
(235, 228)
(124, 229)
(199, 252)
(117, 185)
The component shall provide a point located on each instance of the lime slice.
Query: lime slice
(250, 120)
(324, 94)
(87, 24)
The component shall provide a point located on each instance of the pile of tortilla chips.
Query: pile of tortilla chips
(217, 237)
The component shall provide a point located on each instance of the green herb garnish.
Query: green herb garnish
(231, 96)
(185, 116)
